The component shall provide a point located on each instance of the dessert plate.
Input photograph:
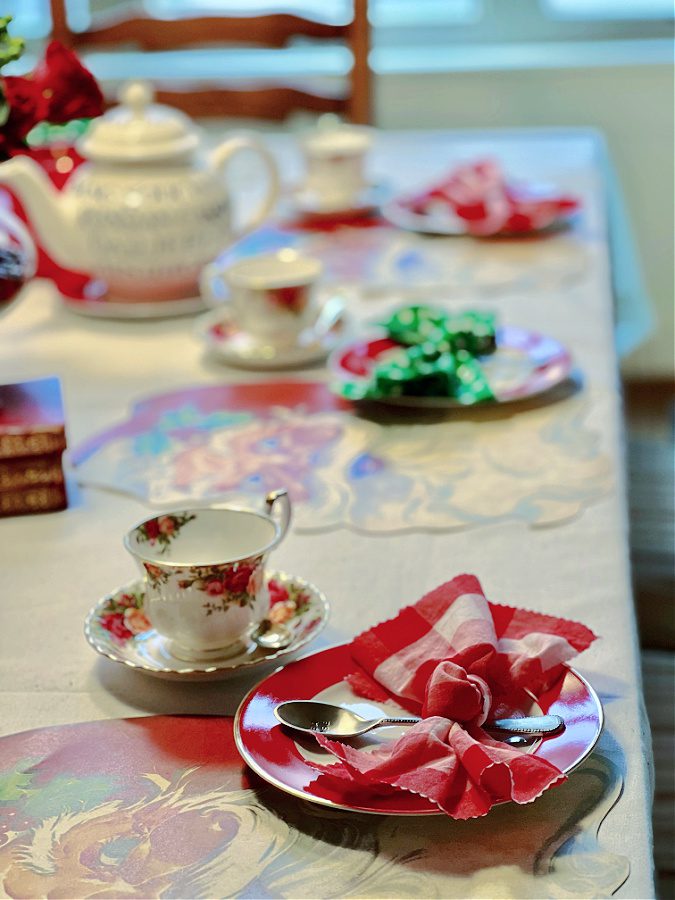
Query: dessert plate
(116, 627)
(524, 365)
(283, 758)
(439, 218)
(234, 346)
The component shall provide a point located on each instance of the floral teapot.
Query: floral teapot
(145, 212)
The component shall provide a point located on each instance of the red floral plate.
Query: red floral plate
(524, 365)
(282, 757)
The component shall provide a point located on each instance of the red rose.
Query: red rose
(152, 529)
(166, 525)
(70, 90)
(293, 298)
(114, 623)
(237, 581)
(26, 108)
(214, 588)
(278, 593)
(60, 89)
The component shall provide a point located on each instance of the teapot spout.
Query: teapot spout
(51, 213)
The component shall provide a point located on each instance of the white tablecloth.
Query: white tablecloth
(54, 567)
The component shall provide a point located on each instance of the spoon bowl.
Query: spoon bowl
(271, 637)
(334, 721)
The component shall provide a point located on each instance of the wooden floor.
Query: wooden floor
(650, 420)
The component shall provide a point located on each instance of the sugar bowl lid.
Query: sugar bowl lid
(139, 130)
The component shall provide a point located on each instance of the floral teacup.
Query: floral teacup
(204, 573)
(272, 296)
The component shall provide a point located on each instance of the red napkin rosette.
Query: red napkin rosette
(479, 194)
(456, 660)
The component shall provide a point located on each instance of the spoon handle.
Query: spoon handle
(527, 725)
(533, 725)
(411, 721)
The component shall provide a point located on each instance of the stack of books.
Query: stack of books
(32, 441)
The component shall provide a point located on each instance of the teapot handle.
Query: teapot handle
(222, 155)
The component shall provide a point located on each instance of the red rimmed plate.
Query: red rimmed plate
(524, 365)
(283, 759)
(438, 217)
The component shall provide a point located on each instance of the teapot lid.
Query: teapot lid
(139, 130)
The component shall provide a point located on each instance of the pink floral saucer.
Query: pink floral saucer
(116, 627)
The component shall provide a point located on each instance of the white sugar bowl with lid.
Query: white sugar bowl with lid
(148, 209)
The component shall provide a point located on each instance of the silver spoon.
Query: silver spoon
(335, 721)
(269, 636)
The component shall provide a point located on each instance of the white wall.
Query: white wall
(632, 105)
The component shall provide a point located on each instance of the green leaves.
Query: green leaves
(11, 48)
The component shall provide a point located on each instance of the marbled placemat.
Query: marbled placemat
(539, 463)
(163, 807)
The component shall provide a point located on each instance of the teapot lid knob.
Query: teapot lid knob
(137, 95)
(139, 130)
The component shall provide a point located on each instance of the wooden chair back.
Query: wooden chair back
(275, 30)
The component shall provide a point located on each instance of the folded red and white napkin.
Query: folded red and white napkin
(456, 659)
(479, 194)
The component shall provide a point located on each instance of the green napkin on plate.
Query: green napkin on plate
(437, 357)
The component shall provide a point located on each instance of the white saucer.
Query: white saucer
(149, 652)
(102, 308)
(367, 201)
(231, 345)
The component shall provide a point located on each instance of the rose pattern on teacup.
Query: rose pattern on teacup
(293, 299)
(227, 585)
(156, 574)
(163, 529)
(123, 616)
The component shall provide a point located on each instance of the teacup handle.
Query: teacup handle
(222, 155)
(280, 500)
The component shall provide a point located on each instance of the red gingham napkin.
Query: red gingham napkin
(479, 195)
(457, 660)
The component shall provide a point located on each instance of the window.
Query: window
(407, 34)
(610, 9)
